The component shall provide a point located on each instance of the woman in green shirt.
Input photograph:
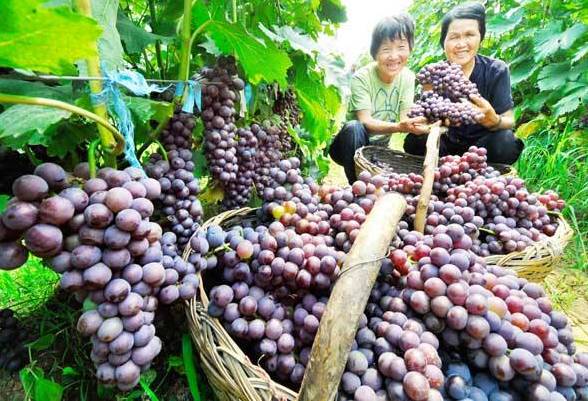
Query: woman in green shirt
(381, 93)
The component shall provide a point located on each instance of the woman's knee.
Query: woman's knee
(502, 146)
(352, 136)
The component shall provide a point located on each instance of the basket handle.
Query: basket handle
(431, 161)
(349, 298)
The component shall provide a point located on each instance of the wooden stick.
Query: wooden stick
(348, 300)
(431, 161)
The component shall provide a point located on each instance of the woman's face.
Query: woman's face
(462, 41)
(392, 56)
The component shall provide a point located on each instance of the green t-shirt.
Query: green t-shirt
(385, 101)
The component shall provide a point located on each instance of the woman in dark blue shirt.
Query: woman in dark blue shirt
(462, 30)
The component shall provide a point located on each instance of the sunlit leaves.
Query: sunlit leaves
(49, 40)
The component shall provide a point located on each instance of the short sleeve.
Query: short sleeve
(406, 97)
(501, 97)
(360, 94)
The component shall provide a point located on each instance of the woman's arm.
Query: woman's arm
(416, 125)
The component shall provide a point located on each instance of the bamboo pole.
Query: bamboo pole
(431, 161)
(348, 300)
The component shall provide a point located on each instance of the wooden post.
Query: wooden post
(348, 300)
(431, 161)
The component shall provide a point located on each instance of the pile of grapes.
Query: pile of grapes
(13, 352)
(440, 323)
(447, 100)
(97, 233)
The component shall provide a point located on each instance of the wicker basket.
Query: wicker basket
(401, 162)
(536, 261)
(232, 375)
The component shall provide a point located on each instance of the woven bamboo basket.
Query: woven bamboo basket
(232, 375)
(536, 261)
(403, 163)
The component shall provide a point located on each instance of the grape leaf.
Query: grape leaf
(296, 39)
(168, 18)
(47, 390)
(24, 124)
(317, 102)
(44, 39)
(547, 40)
(572, 101)
(109, 45)
(500, 24)
(36, 89)
(553, 76)
(261, 60)
(135, 38)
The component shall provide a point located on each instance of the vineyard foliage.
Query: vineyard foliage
(275, 43)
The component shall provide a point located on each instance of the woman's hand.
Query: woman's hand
(488, 116)
(415, 125)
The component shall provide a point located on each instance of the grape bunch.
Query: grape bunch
(447, 80)
(268, 154)
(287, 108)
(13, 352)
(224, 148)
(436, 107)
(100, 239)
(178, 201)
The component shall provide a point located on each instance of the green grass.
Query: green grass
(559, 161)
(27, 288)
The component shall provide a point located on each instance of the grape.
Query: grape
(110, 329)
(56, 210)
(43, 240)
(30, 188)
(12, 255)
(20, 216)
(416, 386)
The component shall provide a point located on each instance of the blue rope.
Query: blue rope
(136, 83)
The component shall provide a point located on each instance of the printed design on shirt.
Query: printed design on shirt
(385, 104)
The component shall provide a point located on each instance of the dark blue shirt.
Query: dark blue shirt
(492, 78)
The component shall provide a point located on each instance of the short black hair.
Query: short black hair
(399, 26)
(475, 11)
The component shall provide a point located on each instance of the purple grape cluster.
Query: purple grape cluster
(286, 107)
(269, 153)
(435, 107)
(99, 237)
(447, 80)
(178, 202)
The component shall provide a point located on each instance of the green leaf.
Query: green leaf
(69, 371)
(317, 102)
(522, 71)
(135, 38)
(547, 40)
(23, 124)
(191, 375)
(28, 377)
(167, 20)
(296, 39)
(47, 390)
(146, 109)
(261, 60)
(332, 10)
(571, 102)
(3, 201)
(569, 37)
(45, 39)
(36, 89)
(553, 76)
(43, 342)
(500, 24)
(109, 45)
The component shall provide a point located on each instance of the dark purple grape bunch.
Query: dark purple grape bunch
(13, 337)
(447, 80)
(100, 239)
(178, 203)
(435, 107)
(238, 191)
(220, 92)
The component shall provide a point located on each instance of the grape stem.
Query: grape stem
(92, 158)
(115, 146)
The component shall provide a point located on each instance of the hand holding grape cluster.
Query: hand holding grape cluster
(447, 99)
